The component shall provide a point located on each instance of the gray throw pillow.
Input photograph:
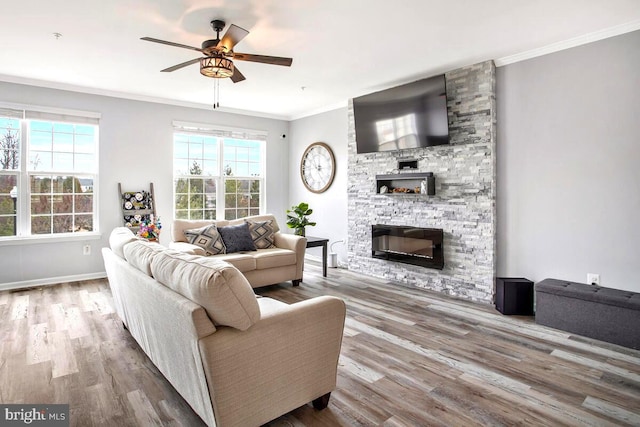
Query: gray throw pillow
(262, 233)
(207, 238)
(237, 238)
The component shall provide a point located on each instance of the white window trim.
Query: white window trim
(52, 110)
(215, 130)
(223, 132)
(49, 238)
(61, 115)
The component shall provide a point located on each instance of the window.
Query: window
(48, 173)
(217, 173)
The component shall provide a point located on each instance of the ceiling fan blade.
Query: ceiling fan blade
(178, 66)
(237, 76)
(274, 60)
(233, 35)
(150, 39)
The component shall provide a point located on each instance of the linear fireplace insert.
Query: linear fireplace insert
(410, 245)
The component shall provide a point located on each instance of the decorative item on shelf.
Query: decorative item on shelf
(424, 185)
(384, 189)
(402, 190)
(428, 185)
(150, 229)
(297, 218)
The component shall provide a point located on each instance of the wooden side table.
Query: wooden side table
(313, 242)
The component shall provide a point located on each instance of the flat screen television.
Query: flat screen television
(408, 116)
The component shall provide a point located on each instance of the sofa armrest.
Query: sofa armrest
(187, 248)
(290, 241)
(288, 358)
(295, 243)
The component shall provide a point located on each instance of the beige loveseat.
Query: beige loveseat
(237, 359)
(282, 262)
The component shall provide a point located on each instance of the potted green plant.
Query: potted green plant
(297, 218)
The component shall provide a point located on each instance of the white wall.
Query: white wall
(568, 175)
(568, 165)
(568, 172)
(135, 149)
(330, 207)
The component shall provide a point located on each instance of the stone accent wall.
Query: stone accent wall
(464, 204)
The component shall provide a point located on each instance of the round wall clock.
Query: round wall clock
(317, 167)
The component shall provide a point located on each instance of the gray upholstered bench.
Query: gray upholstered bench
(605, 314)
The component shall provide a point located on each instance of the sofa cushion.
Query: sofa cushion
(208, 238)
(139, 254)
(240, 260)
(269, 258)
(217, 286)
(187, 248)
(237, 238)
(179, 225)
(119, 237)
(262, 233)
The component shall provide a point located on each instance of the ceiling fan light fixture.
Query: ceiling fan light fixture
(216, 66)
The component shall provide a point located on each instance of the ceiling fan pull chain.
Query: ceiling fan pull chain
(216, 93)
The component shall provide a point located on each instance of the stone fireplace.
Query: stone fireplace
(463, 206)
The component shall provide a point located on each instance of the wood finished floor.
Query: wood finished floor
(408, 357)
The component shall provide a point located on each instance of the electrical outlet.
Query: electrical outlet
(86, 250)
(593, 279)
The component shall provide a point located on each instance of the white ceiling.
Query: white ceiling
(340, 48)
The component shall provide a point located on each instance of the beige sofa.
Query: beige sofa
(237, 359)
(261, 267)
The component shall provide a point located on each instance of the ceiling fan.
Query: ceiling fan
(219, 55)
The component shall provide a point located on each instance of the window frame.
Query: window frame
(23, 212)
(220, 133)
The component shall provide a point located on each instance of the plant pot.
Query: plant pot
(300, 232)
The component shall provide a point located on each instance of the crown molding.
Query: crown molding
(567, 44)
(131, 96)
(506, 60)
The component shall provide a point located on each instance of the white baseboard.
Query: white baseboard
(318, 259)
(51, 281)
(313, 258)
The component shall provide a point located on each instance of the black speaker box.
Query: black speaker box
(514, 295)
